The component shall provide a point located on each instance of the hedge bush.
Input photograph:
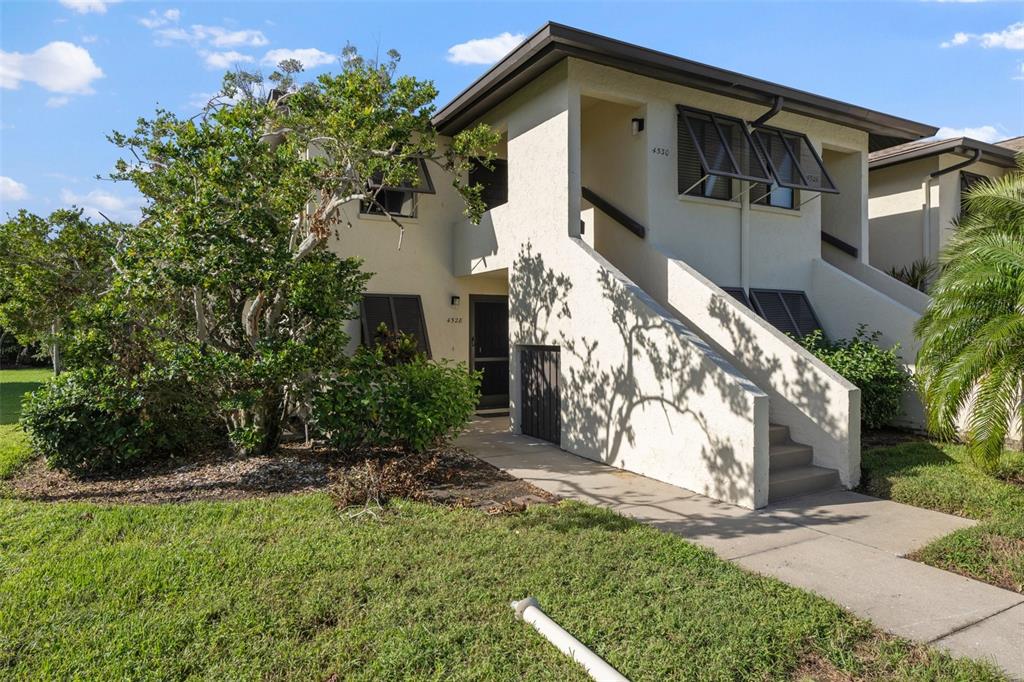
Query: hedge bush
(876, 371)
(87, 421)
(390, 396)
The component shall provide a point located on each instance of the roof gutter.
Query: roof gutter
(975, 155)
(771, 113)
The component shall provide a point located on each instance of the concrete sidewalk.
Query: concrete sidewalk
(844, 546)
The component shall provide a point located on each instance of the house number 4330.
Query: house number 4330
(660, 151)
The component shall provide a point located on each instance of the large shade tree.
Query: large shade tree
(971, 360)
(230, 255)
(49, 268)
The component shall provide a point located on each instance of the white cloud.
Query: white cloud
(982, 133)
(309, 56)
(223, 60)
(484, 50)
(57, 102)
(199, 100)
(89, 39)
(157, 19)
(58, 67)
(1020, 72)
(98, 201)
(87, 6)
(12, 190)
(1010, 38)
(214, 36)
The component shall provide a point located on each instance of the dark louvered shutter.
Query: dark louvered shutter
(398, 313)
(376, 311)
(787, 311)
(409, 320)
(739, 294)
(801, 312)
(690, 168)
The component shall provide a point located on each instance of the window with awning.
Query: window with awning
(715, 149)
(793, 161)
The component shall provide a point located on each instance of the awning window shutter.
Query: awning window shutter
(739, 294)
(422, 185)
(723, 146)
(788, 311)
(399, 313)
(793, 160)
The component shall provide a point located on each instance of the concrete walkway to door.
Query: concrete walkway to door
(844, 546)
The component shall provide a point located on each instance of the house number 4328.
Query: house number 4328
(660, 151)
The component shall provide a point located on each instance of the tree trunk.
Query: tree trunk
(58, 364)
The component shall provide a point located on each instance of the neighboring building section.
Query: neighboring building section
(916, 191)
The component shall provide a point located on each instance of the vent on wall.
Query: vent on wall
(787, 311)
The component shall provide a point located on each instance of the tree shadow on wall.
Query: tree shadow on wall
(806, 389)
(661, 365)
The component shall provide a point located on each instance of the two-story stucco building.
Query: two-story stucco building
(656, 228)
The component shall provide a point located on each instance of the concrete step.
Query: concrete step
(778, 434)
(800, 480)
(789, 455)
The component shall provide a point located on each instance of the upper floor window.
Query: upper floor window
(967, 180)
(714, 150)
(494, 181)
(399, 200)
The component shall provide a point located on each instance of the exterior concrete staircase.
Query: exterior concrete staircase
(790, 472)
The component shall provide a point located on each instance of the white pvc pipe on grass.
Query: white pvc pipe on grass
(529, 610)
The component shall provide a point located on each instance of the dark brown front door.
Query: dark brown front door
(488, 343)
(541, 399)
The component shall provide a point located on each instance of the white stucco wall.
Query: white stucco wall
(732, 243)
(638, 390)
(897, 205)
(423, 265)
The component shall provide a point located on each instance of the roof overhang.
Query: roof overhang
(555, 42)
(960, 146)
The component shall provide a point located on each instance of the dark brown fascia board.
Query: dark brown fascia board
(554, 42)
(961, 146)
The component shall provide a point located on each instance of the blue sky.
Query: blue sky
(73, 70)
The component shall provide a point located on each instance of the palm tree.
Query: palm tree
(972, 335)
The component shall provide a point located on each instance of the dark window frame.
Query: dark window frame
(368, 335)
(972, 179)
(780, 135)
(374, 207)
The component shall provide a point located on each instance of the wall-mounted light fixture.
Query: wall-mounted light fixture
(456, 300)
(638, 126)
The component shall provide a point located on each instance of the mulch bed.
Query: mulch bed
(446, 476)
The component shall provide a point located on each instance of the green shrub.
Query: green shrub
(86, 421)
(877, 372)
(390, 397)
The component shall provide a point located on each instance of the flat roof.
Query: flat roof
(554, 42)
(999, 154)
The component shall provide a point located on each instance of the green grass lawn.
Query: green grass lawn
(291, 588)
(940, 476)
(14, 383)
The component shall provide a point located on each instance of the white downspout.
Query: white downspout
(529, 610)
(926, 237)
